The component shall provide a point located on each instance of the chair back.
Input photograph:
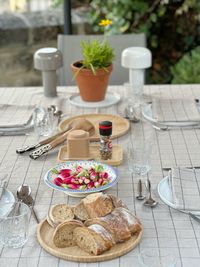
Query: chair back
(69, 45)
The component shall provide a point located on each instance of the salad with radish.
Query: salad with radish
(81, 178)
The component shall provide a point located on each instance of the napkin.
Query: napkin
(14, 114)
(175, 110)
(185, 186)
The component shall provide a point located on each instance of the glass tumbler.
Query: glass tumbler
(156, 258)
(43, 121)
(14, 225)
(139, 159)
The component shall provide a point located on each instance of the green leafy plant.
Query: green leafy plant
(187, 70)
(96, 54)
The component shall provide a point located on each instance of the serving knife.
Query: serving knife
(41, 143)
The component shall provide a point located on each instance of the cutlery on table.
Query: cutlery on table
(140, 196)
(41, 143)
(24, 195)
(192, 167)
(9, 133)
(150, 202)
(195, 217)
(76, 124)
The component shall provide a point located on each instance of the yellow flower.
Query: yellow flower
(105, 22)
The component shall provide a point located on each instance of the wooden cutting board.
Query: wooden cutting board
(45, 234)
(117, 155)
(120, 125)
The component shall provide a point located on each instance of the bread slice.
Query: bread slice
(80, 212)
(98, 205)
(60, 213)
(94, 240)
(63, 234)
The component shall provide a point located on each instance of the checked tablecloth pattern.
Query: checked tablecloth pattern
(163, 226)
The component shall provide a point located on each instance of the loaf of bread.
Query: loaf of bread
(121, 223)
(98, 205)
(117, 202)
(63, 234)
(94, 239)
(131, 221)
(80, 212)
(60, 213)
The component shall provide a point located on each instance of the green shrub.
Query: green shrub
(187, 70)
(96, 54)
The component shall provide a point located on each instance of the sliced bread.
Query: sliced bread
(63, 234)
(60, 213)
(80, 212)
(91, 240)
(98, 205)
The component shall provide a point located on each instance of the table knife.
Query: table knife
(13, 133)
(195, 217)
(168, 169)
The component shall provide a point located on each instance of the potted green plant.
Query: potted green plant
(93, 71)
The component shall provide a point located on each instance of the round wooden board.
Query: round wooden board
(45, 234)
(120, 125)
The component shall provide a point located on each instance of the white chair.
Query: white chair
(69, 45)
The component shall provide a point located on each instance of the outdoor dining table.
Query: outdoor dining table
(163, 227)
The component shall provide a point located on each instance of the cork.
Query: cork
(78, 144)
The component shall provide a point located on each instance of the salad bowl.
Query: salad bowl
(80, 178)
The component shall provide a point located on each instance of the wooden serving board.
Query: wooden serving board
(120, 125)
(45, 234)
(117, 155)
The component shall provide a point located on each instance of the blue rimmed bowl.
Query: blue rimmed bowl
(49, 177)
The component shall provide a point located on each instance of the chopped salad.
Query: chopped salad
(81, 178)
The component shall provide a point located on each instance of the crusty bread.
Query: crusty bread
(63, 234)
(121, 223)
(131, 221)
(117, 202)
(94, 239)
(80, 212)
(115, 225)
(98, 205)
(60, 213)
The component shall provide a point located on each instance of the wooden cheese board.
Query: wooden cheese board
(120, 124)
(117, 155)
(45, 234)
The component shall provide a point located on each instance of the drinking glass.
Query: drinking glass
(156, 258)
(43, 121)
(139, 150)
(14, 224)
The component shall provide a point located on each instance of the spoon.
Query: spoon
(58, 114)
(24, 195)
(150, 202)
(140, 196)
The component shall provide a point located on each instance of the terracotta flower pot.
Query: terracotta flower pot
(92, 87)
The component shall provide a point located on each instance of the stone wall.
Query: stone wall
(22, 34)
